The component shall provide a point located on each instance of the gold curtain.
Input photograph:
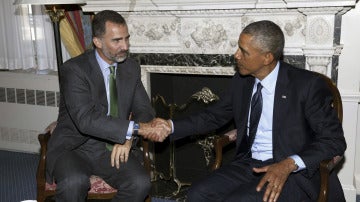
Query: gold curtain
(70, 38)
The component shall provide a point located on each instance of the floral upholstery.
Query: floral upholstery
(98, 185)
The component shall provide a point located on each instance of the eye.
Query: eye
(242, 51)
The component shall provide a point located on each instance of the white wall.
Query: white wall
(349, 85)
(20, 123)
(349, 66)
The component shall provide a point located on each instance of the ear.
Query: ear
(97, 42)
(268, 58)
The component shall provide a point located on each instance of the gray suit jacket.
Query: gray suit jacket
(83, 105)
(304, 122)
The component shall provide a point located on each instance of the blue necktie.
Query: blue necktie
(255, 114)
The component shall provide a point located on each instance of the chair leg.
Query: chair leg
(40, 197)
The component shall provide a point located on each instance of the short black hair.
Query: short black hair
(268, 36)
(100, 19)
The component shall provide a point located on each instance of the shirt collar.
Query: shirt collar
(269, 82)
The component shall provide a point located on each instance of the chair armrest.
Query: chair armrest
(40, 173)
(326, 167)
(146, 154)
(221, 142)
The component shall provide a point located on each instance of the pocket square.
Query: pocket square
(283, 96)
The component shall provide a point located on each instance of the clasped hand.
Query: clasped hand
(156, 130)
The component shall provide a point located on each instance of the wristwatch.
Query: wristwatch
(136, 128)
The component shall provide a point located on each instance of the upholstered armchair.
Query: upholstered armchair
(326, 166)
(99, 189)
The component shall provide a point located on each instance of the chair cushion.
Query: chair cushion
(97, 185)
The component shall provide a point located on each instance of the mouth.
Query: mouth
(239, 65)
(122, 53)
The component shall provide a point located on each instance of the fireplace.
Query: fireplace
(179, 163)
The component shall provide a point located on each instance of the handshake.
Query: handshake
(156, 130)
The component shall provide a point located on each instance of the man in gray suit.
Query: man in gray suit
(89, 139)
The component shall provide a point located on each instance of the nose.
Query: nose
(237, 54)
(125, 45)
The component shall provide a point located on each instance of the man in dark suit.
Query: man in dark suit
(94, 135)
(297, 128)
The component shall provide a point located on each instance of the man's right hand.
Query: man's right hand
(155, 130)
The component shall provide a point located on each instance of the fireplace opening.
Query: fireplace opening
(177, 88)
(193, 155)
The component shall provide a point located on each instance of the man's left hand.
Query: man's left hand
(275, 177)
(120, 153)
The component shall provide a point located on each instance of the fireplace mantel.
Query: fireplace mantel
(171, 5)
(193, 27)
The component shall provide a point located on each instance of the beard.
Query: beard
(119, 57)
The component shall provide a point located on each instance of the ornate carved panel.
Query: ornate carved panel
(195, 27)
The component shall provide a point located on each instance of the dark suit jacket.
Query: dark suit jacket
(83, 105)
(304, 123)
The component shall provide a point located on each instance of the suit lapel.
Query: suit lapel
(281, 106)
(98, 79)
(244, 106)
(121, 84)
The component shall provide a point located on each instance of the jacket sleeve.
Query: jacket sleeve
(327, 132)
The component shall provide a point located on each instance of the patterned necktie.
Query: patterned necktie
(256, 108)
(113, 99)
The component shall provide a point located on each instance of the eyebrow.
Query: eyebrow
(121, 38)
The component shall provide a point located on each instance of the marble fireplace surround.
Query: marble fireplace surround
(200, 37)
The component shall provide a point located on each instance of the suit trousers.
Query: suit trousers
(73, 169)
(237, 182)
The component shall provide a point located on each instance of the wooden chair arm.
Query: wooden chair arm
(326, 166)
(40, 173)
(219, 144)
(146, 154)
(331, 163)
